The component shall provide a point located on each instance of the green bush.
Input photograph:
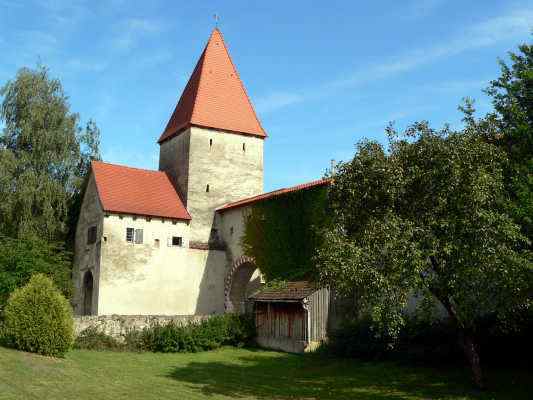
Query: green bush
(5, 338)
(93, 339)
(228, 329)
(39, 318)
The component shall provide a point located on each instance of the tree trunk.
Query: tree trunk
(467, 343)
(466, 339)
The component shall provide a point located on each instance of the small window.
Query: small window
(91, 235)
(243, 147)
(105, 238)
(207, 188)
(231, 230)
(177, 241)
(130, 233)
(138, 236)
(156, 243)
(210, 142)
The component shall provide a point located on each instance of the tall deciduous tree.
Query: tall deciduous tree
(510, 126)
(23, 257)
(44, 155)
(426, 216)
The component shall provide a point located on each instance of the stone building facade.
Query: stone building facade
(168, 242)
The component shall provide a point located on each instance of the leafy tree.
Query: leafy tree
(281, 233)
(426, 217)
(22, 257)
(44, 155)
(510, 126)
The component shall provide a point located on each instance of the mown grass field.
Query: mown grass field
(238, 374)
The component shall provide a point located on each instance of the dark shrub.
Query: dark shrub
(228, 329)
(357, 339)
(93, 339)
(39, 319)
(428, 341)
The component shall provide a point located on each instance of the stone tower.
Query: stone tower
(212, 146)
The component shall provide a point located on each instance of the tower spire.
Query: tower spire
(214, 96)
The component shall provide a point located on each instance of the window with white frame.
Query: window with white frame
(134, 235)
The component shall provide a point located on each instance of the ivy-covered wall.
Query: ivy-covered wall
(281, 233)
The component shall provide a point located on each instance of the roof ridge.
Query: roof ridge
(241, 84)
(200, 67)
(273, 193)
(125, 166)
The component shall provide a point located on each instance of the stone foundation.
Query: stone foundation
(118, 325)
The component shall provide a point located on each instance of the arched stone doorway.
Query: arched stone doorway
(242, 280)
(87, 293)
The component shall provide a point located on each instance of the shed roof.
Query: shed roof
(137, 191)
(293, 291)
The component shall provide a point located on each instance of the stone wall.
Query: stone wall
(154, 278)
(118, 325)
(87, 256)
(231, 164)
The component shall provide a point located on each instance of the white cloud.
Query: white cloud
(421, 8)
(277, 100)
(131, 30)
(514, 25)
(83, 65)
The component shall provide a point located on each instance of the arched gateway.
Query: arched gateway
(242, 280)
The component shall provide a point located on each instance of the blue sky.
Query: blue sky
(321, 74)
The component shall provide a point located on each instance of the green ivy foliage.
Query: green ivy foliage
(38, 318)
(281, 233)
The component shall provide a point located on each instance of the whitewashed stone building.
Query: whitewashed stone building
(167, 242)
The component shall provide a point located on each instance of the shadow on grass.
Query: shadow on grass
(268, 375)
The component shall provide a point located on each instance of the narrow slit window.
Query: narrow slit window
(244, 147)
(91, 235)
(156, 243)
(210, 143)
(207, 188)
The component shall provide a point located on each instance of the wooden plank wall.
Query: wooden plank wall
(284, 320)
(319, 314)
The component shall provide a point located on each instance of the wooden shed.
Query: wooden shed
(293, 318)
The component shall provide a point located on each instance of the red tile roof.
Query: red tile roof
(292, 291)
(215, 96)
(275, 193)
(137, 191)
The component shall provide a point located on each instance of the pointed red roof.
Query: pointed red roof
(137, 191)
(215, 96)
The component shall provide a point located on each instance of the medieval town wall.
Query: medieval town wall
(87, 256)
(155, 277)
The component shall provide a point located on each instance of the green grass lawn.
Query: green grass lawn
(237, 373)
